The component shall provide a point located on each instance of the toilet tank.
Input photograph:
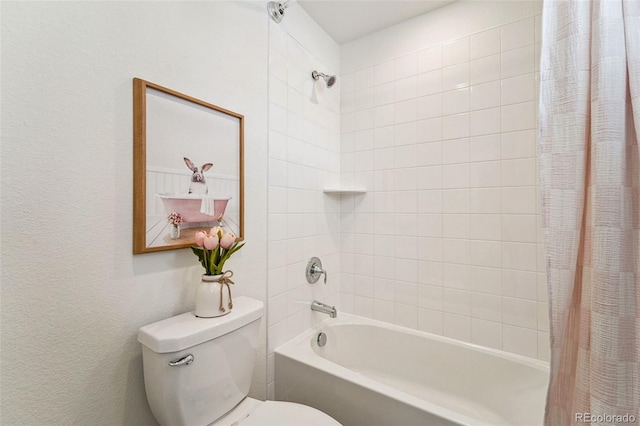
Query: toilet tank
(218, 378)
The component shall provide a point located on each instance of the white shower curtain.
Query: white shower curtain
(589, 122)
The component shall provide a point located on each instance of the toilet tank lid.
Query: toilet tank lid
(186, 330)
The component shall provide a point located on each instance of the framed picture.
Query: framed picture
(187, 168)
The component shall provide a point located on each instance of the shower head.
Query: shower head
(276, 10)
(329, 79)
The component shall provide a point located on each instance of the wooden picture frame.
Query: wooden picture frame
(188, 159)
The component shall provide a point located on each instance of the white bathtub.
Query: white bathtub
(374, 373)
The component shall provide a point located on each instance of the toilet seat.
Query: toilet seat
(251, 412)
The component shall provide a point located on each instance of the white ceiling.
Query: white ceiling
(347, 20)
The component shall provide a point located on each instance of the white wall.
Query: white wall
(304, 157)
(73, 295)
(438, 122)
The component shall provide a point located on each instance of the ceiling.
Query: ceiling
(347, 20)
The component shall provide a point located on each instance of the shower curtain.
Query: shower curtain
(589, 121)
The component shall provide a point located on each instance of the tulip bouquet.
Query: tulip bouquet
(175, 219)
(214, 248)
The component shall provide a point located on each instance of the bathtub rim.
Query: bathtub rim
(187, 196)
(299, 349)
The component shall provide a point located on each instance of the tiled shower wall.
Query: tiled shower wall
(446, 239)
(304, 157)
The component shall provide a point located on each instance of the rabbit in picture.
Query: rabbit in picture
(198, 184)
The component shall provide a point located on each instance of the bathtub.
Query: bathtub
(374, 373)
(188, 205)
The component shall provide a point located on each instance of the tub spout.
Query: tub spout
(324, 308)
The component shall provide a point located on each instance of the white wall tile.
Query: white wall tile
(486, 333)
(430, 249)
(384, 115)
(519, 228)
(430, 130)
(457, 327)
(430, 321)
(518, 89)
(519, 172)
(455, 126)
(406, 316)
(430, 106)
(519, 200)
(455, 52)
(485, 253)
(455, 176)
(406, 111)
(455, 226)
(455, 251)
(430, 177)
(455, 101)
(485, 95)
(485, 200)
(406, 133)
(430, 201)
(486, 306)
(518, 117)
(383, 137)
(486, 280)
(456, 301)
(455, 151)
(429, 153)
(485, 69)
(485, 174)
(485, 148)
(406, 88)
(520, 256)
(518, 34)
(364, 99)
(384, 73)
(456, 76)
(384, 94)
(521, 144)
(521, 341)
(406, 66)
(429, 82)
(516, 62)
(519, 284)
(486, 227)
(485, 122)
(519, 312)
(544, 347)
(430, 59)
(485, 43)
(363, 79)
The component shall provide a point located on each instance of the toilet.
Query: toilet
(197, 371)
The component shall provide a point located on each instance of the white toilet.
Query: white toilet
(197, 372)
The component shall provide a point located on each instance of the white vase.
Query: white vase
(175, 232)
(212, 298)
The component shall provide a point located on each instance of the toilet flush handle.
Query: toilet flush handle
(182, 361)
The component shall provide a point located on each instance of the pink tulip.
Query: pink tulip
(227, 240)
(210, 242)
(216, 230)
(200, 238)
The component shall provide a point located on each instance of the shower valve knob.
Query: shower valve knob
(314, 270)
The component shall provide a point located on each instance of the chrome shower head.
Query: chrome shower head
(329, 79)
(276, 10)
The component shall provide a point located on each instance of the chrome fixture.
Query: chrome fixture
(329, 79)
(321, 339)
(325, 309)
(186, 360)
(276, 10)
(314, 270)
